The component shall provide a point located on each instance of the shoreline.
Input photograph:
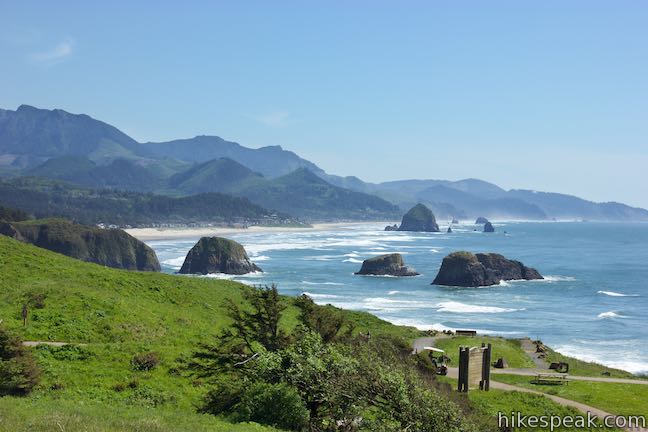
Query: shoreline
(152, 234)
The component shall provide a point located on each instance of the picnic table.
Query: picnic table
(551, 379)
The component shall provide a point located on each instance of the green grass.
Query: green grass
(583, 368)
(510, 349)
(110, 316)
(489, 404)
(494, 401)
(49, 414)
(615, 398)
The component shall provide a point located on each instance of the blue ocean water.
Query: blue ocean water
(592, 305)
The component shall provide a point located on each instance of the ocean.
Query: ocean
(592, 304)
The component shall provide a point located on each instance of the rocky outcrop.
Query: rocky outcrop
(391, 227)
(419, 218)
(107, 247)
(217, 255)
(386, 265)
(483, 269)
(449, 230)
(455, 221)
(488, 228)
(481, 220)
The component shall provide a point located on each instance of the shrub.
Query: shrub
(145, 361)
(19, 373)
(36, 300)
(277, 405)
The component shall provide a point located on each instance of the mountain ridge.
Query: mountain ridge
(30, 137)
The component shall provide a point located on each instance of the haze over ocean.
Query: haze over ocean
(592, 304)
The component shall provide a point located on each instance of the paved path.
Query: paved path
(57, 344)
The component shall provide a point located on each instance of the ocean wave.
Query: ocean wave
(320, 296)
(554, 278)
(260, 258)
(456, 307)
(352, 260)
(352, 255)
(625, 360)
(616, 294)
(442, 327)
(393, 292)
(174, 262)
(322, 283)
(390, 305)
(610, 315)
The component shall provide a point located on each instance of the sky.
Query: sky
(544, 95)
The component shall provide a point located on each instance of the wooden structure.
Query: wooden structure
(466, 332)
(550, 379)
(474, 368)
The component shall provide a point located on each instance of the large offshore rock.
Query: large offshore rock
(489, 228)
(386, 265)
(218, 255)
(419, 218)
(466, 269)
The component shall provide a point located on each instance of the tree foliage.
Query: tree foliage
(19, 373)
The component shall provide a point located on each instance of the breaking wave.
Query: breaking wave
(616, 294)
(456, 307)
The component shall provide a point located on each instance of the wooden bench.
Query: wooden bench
(550, 379)
(466, 332)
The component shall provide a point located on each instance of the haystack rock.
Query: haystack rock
(481, 220)
(419, 218)
(488, 228)
(386, 265)
(466, 269)
(217, 255)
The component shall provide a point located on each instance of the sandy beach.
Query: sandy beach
(146, 234)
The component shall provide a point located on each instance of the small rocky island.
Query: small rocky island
(386, 265)
(489, 228)
(391, 227)
(481, 220)
(419, 218)
(466, 269)
(108, 247)
(218, 255)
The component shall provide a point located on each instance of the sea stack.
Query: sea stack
(488, 228)
(466, 269)
(391, 227)
(386, 265)
(419, 218)
(449, 230)
(481, 220)
(217, 255)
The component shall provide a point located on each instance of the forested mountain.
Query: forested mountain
(47, 198)
(87, 152)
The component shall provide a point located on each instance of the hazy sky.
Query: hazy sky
(527, 94)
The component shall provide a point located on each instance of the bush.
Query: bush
(277, 405)
(19, 373)
(145, 361)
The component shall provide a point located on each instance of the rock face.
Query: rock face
(217, 255)
(481, 220)
(488, 228)
(108, 247)
(390, 264)
(466, 269)
(391, 227)
(419, 218)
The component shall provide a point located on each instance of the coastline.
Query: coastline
(149, 234)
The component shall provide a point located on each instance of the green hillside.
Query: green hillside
(109, 316)
(218, 175)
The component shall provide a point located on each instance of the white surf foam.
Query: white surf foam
(352, 260)
(554, 278)
(456, 307)
(352, 255)
(616, 294)
(320, 296)
(392, 292)
(174, 262)
(627, 361)
(610, 315)
(322, 283)
(260, 258)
